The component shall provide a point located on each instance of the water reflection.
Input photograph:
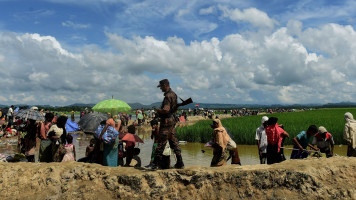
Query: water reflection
(192, 153)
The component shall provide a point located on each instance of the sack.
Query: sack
(231, 145)
(167, 150)
(109, 136)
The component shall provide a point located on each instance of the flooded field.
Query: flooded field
(193, 153)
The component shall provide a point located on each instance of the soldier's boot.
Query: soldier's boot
(179, 164)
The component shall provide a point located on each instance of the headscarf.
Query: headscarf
(220, 135)
(349, 135)
(264, 119)
(349, 117)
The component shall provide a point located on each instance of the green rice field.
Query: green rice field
(243, 129)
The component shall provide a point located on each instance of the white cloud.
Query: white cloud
(75, 25)
(207, 11)
(28, 99)
(289, 64)
(3, 99)
(251, 15)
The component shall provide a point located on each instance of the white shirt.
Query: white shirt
(9, 112)
(262, 137)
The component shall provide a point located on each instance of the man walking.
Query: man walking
(167, 126)
(10, 116)
(261, 138)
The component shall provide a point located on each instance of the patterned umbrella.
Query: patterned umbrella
(112, 106)
(30, 114)
(90, 122)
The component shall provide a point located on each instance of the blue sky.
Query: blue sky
(60, 52)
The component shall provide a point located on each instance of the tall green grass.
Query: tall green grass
(243, 129)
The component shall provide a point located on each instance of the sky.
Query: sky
(60, 52)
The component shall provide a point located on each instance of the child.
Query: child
(90, 148)
(130, 146)
(301, 142)
(89, 154)
(136, 152)
(70, 150)
(154, 136)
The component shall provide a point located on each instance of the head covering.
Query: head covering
(322, 129)
(264, 119)
(220, 135)
(348, 117)
(163, 82)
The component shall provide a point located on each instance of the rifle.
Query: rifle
(184, 102)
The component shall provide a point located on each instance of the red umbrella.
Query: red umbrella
(197, 105)
(131, 138)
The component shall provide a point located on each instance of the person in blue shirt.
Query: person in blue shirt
(302, 141)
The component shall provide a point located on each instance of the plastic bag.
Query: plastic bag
(231, 145)
(167, 150)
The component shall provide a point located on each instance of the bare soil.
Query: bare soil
(313, 178)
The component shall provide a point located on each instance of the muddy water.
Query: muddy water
(192, 153)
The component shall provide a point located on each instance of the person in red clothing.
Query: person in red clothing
(130, 146)
(274, 134)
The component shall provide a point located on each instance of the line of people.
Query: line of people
(270, 139)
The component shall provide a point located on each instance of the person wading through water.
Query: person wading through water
(167, 126)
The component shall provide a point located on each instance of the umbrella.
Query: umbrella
(197, 105)
(112, 106)
(131, 138)
(90, 122)
(30, 114)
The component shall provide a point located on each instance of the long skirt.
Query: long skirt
(273, 156)
(219, 158)
(110, 155)
(351, 152)
(57, 155)
(45, 152)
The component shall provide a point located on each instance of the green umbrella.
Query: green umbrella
(112, 106)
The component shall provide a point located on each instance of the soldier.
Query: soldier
(167, 126)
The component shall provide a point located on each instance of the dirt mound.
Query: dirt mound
(313, 178)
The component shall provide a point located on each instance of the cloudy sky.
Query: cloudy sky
(60, 52)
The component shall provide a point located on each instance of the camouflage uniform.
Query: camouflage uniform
(167, 127)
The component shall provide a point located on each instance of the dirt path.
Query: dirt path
(332, 178)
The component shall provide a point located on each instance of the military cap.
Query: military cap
(163, 82)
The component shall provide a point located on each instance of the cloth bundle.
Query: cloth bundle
(109, 136)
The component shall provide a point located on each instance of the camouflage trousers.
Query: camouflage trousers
(167, 133)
